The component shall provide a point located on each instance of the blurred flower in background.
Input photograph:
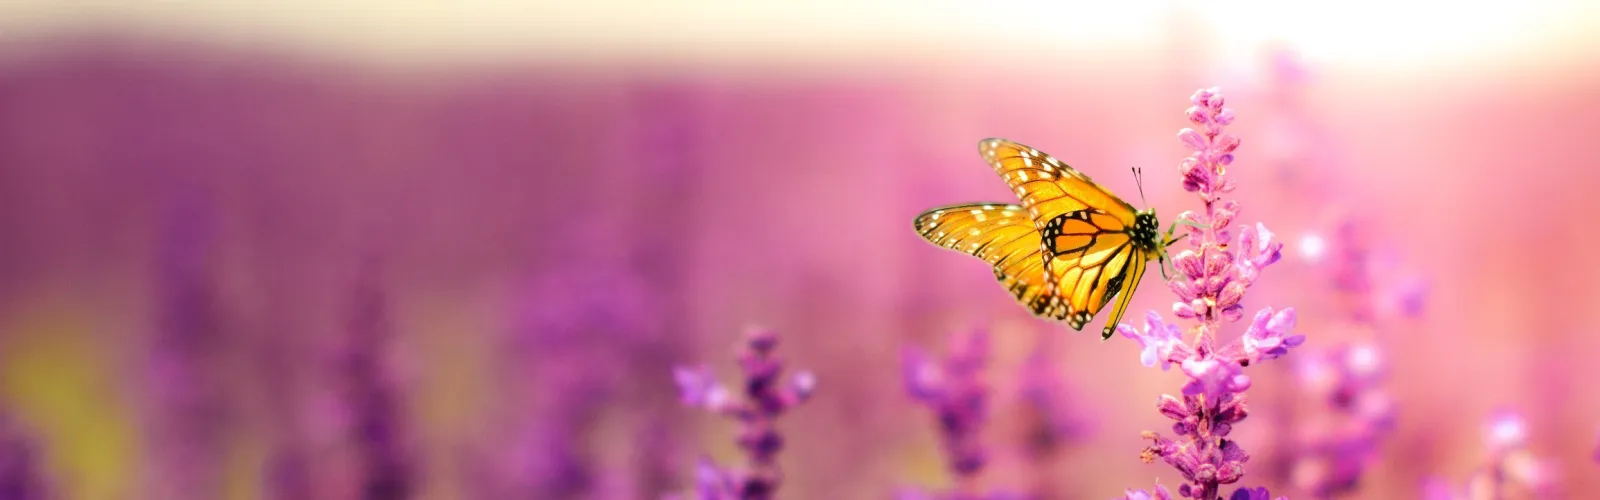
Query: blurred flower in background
(1508, 469)
(764, 397)
(21, 475)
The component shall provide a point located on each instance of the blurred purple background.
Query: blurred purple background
(236, 268)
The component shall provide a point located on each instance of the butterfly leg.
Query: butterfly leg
(1169, 241)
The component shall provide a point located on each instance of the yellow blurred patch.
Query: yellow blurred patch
(61, 384)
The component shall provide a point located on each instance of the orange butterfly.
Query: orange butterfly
(1067, 250)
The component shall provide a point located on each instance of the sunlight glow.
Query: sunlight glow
(1312, 247)
(1386, 33)
(1364, 32)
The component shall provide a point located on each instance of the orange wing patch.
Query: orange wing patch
(999, 234)
(1046, 186)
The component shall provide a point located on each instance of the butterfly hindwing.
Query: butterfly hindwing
(1090, 255)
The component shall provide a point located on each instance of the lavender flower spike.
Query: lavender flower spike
(1510, 469)
(765, 399)
(1157, 493)
(1253, 494)
(959, 397)
(1213, 277)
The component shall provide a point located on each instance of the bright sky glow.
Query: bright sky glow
(1353, 31)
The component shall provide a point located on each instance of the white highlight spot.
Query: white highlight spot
(1507, 431)
(1312, 247)
(1364, 360)
(974, 231)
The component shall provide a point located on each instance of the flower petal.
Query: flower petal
(1283, 322)
(1193, 139)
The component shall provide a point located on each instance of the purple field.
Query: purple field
(241, 272)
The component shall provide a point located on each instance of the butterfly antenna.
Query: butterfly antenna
(1138, 180)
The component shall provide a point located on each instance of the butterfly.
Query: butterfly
(1067, 250)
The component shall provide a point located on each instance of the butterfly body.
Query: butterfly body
(1066, 251)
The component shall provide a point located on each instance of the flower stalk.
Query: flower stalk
(1214, 274)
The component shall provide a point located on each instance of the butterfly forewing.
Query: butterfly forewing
(1046, 186)
(1001, 235)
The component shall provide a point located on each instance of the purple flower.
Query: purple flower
(187, 400)
(1213, 277)
(377, 431)
(1159, 492)
(1046, 396)
(1331, 460)
(1158, 342)
(712, 483)
(959, 397)
(1509, 469)
(765, 398)
(1267, 339)
(1214, 378)
(1258, 493)
(1335, 452)
(1411, 296)
(20, 474)
(954, 388)
(1437, 488)
(698, 387)
(1257, 250)
(1381, 289)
